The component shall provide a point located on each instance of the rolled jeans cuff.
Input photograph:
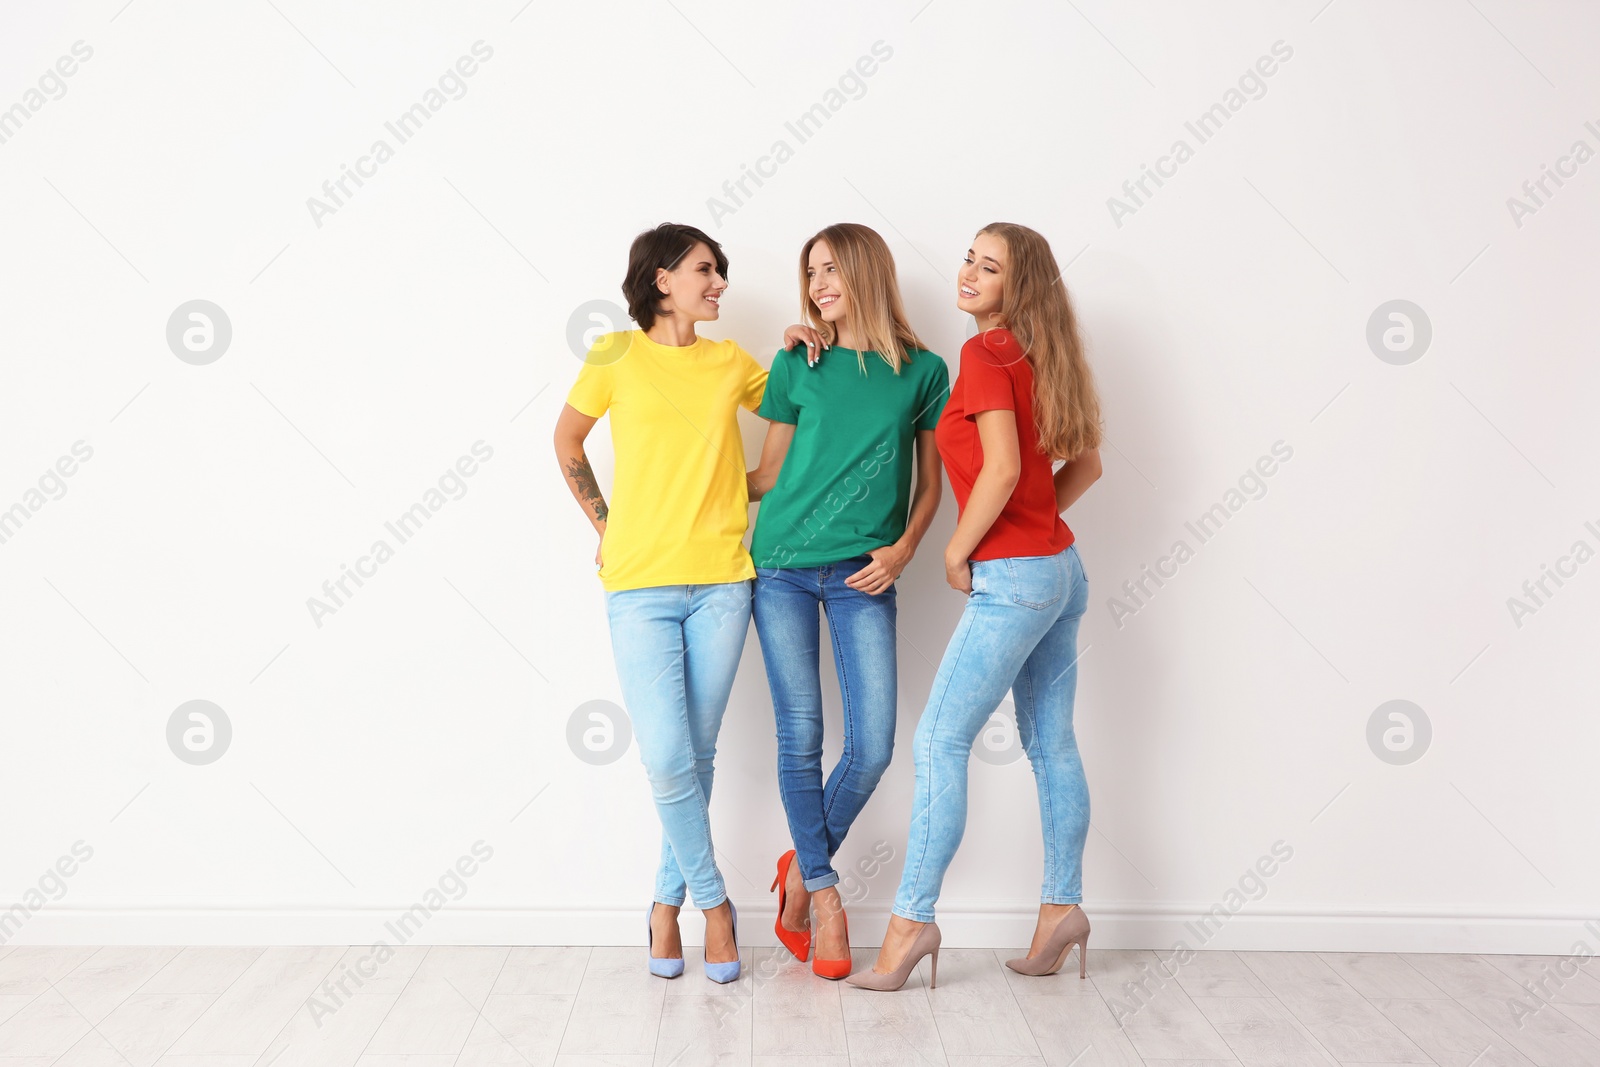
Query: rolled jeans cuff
(916, 917)
(821, 881)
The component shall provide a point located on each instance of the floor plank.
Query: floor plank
(146, 1025)
(1341, 1020)
(203, 969)
(1542, 1033)
(107, 978)
(527, 1006)
(1381, 976)
(246, 1016)
(1558, 979)
(1462, 975)
(32, 968)
(1261, 1031)
(1451, 1034)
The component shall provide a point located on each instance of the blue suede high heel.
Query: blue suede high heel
(661, 968)
(726, 972)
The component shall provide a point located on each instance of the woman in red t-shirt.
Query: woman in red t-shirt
(1024, 397)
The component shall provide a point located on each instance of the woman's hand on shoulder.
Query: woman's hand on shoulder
(801, 334)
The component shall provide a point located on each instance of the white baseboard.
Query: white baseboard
(1116, 926)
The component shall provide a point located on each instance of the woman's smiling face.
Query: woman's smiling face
(825, 291)
(693, 288)
(980, 283)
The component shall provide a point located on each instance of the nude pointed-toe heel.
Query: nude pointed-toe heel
(1073, 929)
(926, 944)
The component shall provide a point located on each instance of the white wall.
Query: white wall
(373, 347)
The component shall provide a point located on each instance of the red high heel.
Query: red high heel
(796, 941)
(834, 968)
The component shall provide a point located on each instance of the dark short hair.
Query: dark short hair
(653, 250)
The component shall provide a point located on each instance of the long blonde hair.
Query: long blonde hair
(871, 293)
(1038, 312)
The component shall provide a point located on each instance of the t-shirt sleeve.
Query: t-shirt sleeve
(986, 378)
(777, 405)
(754, 384)
(935, 392)
(591, 393)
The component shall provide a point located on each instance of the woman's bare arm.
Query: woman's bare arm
(1002, 468)
(1074, 477)
(889, 560)
(773, 450)
(572, 427)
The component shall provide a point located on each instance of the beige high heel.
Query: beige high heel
(1073, 929)
(927, 941)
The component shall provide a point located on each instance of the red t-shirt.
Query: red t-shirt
(995, 373)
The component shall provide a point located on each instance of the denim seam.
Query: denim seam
(678, 664)
(1041, 767)
(689, 745)
(927, 755)
(821, 593)
(705, 801)
(778, 713)
(847, 756)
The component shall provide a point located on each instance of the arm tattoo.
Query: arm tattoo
(582, 475)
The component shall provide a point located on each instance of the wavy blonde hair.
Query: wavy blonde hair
(871, 291)
(1038, 312)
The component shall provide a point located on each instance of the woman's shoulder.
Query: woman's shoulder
(728, 349)
(998, 347)
(608, 348)
(924, 369)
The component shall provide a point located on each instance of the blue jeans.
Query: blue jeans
(862, 630)
(677, 648)
(1019, 632)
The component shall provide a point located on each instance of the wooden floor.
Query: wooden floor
(436, 1007)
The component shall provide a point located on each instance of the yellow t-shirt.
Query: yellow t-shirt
(679, 505)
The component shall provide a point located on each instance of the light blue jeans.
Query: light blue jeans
(677, 648)
(1019, 632)
(861, 628)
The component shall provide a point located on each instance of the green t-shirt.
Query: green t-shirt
(845, 484)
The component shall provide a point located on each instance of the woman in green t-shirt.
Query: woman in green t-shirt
(833, 532)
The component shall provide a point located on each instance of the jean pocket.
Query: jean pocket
(1036, 581)
(980, 572)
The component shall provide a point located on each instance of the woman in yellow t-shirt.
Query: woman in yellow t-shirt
(672, 560)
